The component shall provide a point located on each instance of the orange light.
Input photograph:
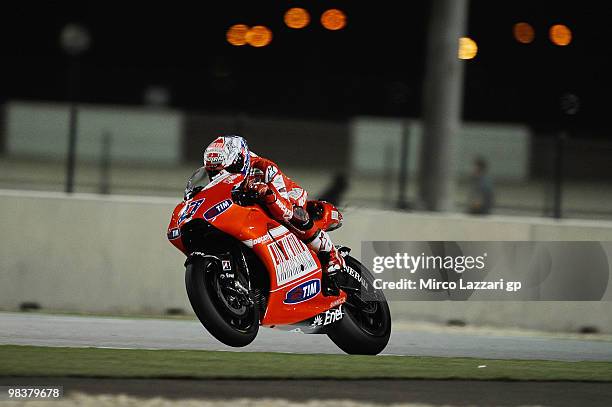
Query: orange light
(467, 48)
(259, 36)
(236, 35)
(560, 35)
(333, 19)
(297, 18)
(523, 33)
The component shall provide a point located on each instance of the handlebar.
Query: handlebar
(244, 198)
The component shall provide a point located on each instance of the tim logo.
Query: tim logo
(218, 209)
(303, 292)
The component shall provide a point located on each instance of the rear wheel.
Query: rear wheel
(366, 326)
(221, 302)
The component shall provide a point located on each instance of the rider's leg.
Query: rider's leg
(324, 247)
(318, 240)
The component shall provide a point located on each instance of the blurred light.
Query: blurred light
(297, 18)
(259, 36)
(333, 19)
(157, 96)
(560, 35)
(467, 48)
(74, 39)
(523, 33)
(236, 35)
(570, 104)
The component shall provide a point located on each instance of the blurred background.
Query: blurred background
(481, 107)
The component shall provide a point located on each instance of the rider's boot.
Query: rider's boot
(331, 260)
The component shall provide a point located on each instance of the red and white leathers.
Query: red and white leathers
(286, 202)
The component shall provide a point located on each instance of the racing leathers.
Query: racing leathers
(286, 202)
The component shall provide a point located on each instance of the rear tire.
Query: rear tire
(366, 326)
(234, 327)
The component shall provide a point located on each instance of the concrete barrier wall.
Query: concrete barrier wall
(88, 254)
(110, 254)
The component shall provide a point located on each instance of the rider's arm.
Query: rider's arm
(273, 176)
(277, 198)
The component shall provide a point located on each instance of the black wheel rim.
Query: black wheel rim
(371, 317)
(234, 312)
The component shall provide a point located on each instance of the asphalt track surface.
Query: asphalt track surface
(430, 392)
(145, 333)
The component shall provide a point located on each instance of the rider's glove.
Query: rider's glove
(261, 189)
(258, 187)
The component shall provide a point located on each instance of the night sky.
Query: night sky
(374, 66)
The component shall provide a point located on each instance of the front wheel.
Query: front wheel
(366, 326)
(227, 313)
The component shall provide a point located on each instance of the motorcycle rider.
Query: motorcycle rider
(284, 199)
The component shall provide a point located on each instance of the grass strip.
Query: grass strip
(135, 363)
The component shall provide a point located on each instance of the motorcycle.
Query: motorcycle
(245, 269)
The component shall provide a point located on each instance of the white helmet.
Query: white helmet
(230, 153)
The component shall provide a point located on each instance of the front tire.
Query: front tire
(366, 325)
(233, 324)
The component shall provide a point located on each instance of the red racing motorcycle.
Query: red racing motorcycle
(245, 269)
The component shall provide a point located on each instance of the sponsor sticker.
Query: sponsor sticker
(272, 233)
(174, 233)
(227, 266)
(214, 157)
(189, 210)
(261, 239)
(328, 317)
(292, 259)
(337, 302)
(217, 209)
(351, 272)
(303, 292)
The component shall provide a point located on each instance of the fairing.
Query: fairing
(294, 270)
